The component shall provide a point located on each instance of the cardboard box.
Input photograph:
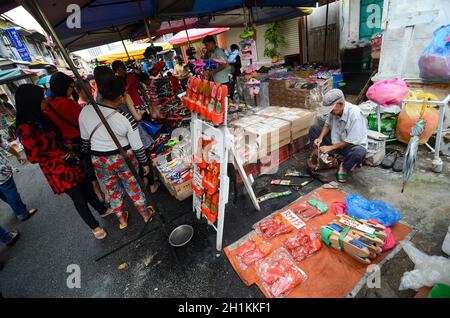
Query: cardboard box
(300, 119)
(299, 134)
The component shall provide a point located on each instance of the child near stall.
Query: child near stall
(150, 87)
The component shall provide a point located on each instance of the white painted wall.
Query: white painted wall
(349, 22)
(408, 27)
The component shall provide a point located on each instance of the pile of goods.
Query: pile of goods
(279, 273)
(362, 239)
(174, 170)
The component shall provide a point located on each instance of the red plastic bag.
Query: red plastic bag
(340, 208)
(279, 273)
(388, 92)
(390, 242)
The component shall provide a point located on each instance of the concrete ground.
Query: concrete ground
(56, 237)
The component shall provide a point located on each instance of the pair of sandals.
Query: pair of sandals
(394, 160)
(151, 213)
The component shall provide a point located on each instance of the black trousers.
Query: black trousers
(83, 194)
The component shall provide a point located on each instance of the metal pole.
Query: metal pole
(326, 35)
(187, 34)
(307, 38)
(123, 43)
(38, 10)
(147, 28)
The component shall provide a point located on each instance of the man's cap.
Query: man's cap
(330, 99)
(209, 39)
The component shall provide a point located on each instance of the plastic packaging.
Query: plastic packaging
(279, 273)
(252, 250)
(273, 226)
(359, 207)
(428, 270)
(388, 92)
(340, 208)
(410, 114)
(434, 63)
(389, 242)
(303, 244)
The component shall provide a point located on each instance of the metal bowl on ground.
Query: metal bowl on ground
(181, 235)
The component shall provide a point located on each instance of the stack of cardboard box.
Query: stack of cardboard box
(272, 128)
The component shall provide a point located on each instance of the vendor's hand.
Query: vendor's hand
(146, 170)
(318, 142)
(326, 149)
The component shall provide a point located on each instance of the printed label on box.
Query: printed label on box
(357, 226)
(292, 218)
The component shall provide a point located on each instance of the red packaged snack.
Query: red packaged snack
(255, 248)
(303, 244)
(273, 226)
(279, 273)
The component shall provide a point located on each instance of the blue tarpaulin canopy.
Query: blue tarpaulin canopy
(101, 20)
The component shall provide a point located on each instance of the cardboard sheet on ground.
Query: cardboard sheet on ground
(331, 273)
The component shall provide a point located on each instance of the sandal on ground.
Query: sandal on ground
(151, 212)
(15, 236)
(389, 160)
(124, 217)
(341, 177)
(99, 233)
(398, 165)
(31, 212)
(108, 212)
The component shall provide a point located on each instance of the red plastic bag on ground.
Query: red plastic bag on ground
(388, 92)
(340, 208)
(303, 244)
(255, 248)
(390, 242)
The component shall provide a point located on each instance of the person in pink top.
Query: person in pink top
(133, 87)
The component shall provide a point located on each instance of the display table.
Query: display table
(331, 273)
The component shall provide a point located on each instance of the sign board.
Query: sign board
(370, 17)
(19, 45)
(292, 218)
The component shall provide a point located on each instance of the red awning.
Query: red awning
(195, 34)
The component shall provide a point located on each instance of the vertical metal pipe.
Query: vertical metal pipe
(307, 38)
(144, 19)
(326, 34)
(123, 43)
(48, 27)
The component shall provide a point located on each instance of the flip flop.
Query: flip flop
(398, 165)
(341, 177)
(151, 212)
(100, 234)
(389, 160)
(125, 216)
